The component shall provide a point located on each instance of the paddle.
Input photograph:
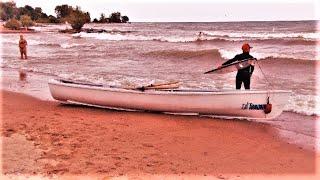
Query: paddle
(168, 85)
(231, 64)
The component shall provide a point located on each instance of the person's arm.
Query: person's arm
(24, 42)
(230, 60)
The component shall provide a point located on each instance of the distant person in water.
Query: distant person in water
(23, 47)
(244, 74)
(200, 36)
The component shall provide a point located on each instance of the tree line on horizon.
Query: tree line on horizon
(27, 15)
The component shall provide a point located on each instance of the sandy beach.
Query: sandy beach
(46, 138)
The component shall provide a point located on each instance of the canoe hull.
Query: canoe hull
(246, 104)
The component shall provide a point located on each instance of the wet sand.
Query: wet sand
(46, 138)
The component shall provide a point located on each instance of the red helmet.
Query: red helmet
(246, 47)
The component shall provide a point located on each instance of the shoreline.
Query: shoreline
(77, 140)
(287, 125)
(4, 30)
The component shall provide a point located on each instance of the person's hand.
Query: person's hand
(252, 62)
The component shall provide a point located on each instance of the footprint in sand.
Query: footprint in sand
(173, 170)
(88, 163)
(118, 164)
(115, 138)
(30, 138)
(114, 150)
(75, 145)
(9, 132)
(22, 126)
(147, 145)
(57, 114)
(103, 171)
(82, 139)
(149, 165)
(116, 157)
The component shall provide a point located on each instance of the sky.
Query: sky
(191, 10)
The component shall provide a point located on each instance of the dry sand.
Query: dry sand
(44, 138)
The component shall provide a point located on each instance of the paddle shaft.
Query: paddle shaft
(162, 84)
(157, 86)
(227, 65)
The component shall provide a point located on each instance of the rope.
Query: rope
(269, 85)
(265, 77)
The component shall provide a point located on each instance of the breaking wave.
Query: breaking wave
(132, 37)
(304, 104)
(312, 36)
(285, 39)
(216, 54)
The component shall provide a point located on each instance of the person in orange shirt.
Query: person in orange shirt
(23, 47)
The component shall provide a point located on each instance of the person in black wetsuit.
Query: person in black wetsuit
(243, 75)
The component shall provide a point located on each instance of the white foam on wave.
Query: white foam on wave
(131, 37)
(34, 42)
(228, 54)
(62, 45)
(69, 45)
(31, 42)
(37, 28)
(51, 27)
(5, 41)
(304, 104)
(207, 36)
(111, 37)
(264, 35)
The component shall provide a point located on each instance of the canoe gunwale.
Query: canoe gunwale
(166, 92)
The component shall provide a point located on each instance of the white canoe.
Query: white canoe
(237, 103)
